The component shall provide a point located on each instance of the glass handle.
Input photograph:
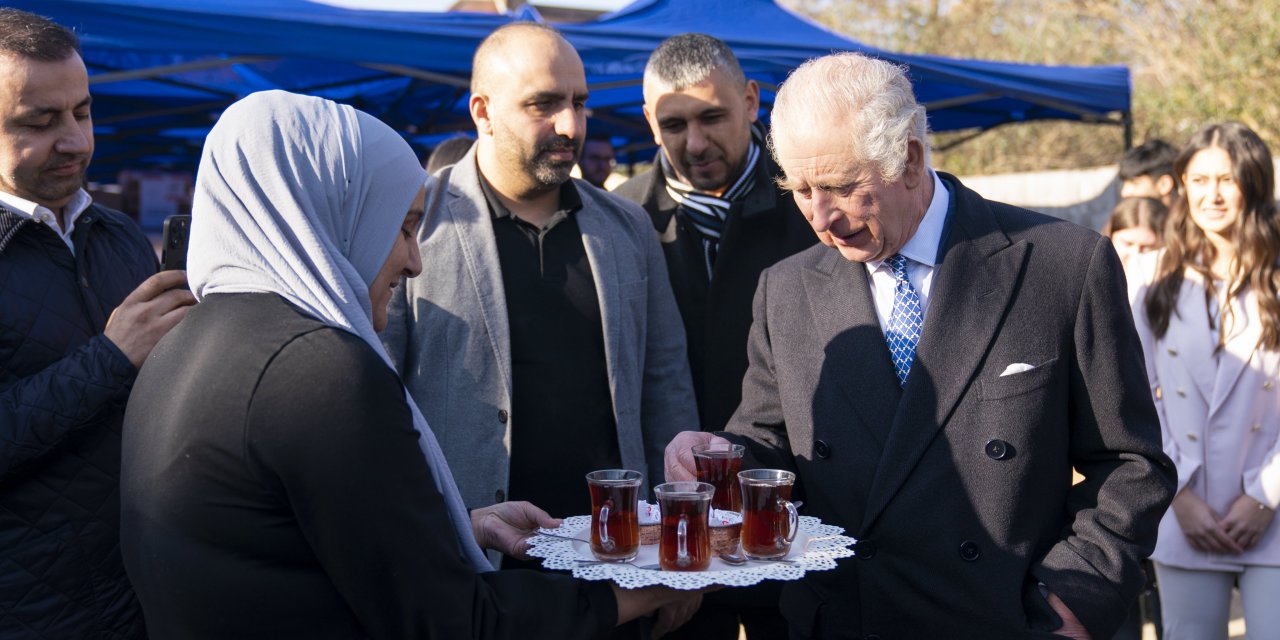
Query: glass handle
(606, 542)
(682, 542)
(793, 522)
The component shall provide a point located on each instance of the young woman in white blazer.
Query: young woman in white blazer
(1208, 312)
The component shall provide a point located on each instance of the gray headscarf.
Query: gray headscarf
(303, 197)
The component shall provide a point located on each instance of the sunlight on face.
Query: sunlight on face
(405, 260)
(705, 129)
(848, 203)
(1215, 200)
(1134, 241)
(46, 133)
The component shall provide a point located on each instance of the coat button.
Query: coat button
(502, 416)
(499, 496)
(999, 449)
(1159, 393)
(1173, 352)
(1191, 437)
(864, 549)
(1181, 393)
(1255, 427)
(822, 449)
(970, 551)
(1267, 385)
(84, 281)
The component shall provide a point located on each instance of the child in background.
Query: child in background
(1146, 171)
(1136, 226)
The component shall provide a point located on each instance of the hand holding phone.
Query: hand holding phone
(147, 314)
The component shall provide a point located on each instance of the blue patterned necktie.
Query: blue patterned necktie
(905, 321)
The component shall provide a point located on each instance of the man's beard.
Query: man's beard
(40, 187)
(548, 172)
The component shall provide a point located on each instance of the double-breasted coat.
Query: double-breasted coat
(958, 485)
(1219, 412)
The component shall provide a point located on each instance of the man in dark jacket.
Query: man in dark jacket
(81, 306)
(712, 198)
(722, 220)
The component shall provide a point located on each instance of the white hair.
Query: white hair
(868, 100)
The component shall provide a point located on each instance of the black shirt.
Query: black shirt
(563, 425)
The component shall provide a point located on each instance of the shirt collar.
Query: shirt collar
(924, 243)
(570, 199)
(79, 202)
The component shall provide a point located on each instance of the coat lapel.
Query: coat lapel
(1189, 338)
(10, 223)
(973, 285)
(760, 202)
(1239, 350)
(473, 228)
(597, 241)
(840, 301)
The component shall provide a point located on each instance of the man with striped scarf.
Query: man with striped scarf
(722, 220)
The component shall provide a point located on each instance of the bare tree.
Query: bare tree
(1192, 63)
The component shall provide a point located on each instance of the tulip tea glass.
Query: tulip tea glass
(719, 464)
(615, 525)
(769, 520)
(686, 530)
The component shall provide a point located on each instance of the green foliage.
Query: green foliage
(1192, 63)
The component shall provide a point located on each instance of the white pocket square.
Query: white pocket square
(1017, 367)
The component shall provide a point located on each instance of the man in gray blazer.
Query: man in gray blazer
(933, 372)
(542, 340)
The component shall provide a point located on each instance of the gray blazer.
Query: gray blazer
(448, 333)
(958, 485)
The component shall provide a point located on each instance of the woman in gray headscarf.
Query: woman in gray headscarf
(276, 481)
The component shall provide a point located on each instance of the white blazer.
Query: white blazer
(1219, 413)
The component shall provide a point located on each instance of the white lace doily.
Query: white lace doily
(816, 548)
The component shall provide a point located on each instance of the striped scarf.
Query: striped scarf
(707, 213)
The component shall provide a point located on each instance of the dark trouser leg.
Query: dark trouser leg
(756, 608)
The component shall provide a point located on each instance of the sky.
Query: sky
(443, 5)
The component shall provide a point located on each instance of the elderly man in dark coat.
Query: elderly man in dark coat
(933, 373)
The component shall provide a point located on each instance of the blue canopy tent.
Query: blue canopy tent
(162, 70)
(771, 41)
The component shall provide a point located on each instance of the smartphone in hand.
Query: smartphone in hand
(173, 253)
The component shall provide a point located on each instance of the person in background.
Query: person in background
(277, 481)
(713, 199)
(1208, 312)
(722, 219)
(597, 160)
(542, 340)
(81, 307)
(449, 151)
(1136, 226)
(933, 372)
(1146, 171)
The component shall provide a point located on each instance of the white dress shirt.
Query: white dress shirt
(922, 254)
(43, 215)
